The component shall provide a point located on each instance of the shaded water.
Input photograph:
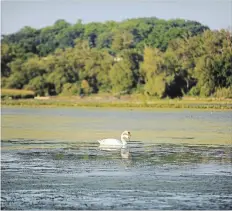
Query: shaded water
(169, 164)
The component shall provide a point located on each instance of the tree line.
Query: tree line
(149, 56)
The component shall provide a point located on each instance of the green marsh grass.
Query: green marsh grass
(121, 103)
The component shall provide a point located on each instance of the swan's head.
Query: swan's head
(126, 135)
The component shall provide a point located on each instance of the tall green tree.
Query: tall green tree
(121, 77)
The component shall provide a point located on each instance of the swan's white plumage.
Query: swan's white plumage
(116, 142)
(110, 141)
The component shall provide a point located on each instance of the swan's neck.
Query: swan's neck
(123, 140)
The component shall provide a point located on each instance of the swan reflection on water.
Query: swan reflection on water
(124, 151)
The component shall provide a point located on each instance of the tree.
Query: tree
(33, 67)
(104, 40)
(38, 85)
(164, 58)
(204, 70)
(71, 89)
(16, 80)
(121, 78)
(155, 72)
(85, 87)
(6, 57)
(122, 40)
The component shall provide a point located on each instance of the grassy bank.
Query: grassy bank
(16, 94)
(128, 102)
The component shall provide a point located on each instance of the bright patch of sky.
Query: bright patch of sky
(15, 14)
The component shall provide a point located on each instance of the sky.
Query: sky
(15, 14)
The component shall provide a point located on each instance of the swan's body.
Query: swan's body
(115, 142)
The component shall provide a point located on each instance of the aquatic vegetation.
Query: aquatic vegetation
(58, 156)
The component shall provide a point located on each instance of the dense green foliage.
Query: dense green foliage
(145, 55)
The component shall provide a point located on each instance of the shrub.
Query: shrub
(70, 89)
(195, 91)
(223, 92)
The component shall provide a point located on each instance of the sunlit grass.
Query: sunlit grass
(16, 93)
(121, 103)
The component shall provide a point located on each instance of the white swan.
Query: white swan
(115, 142)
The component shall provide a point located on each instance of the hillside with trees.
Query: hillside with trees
(148, 56)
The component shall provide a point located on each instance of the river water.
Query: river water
(177, 159)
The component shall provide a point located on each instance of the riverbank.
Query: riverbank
(123, 102)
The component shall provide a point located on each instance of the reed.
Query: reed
(180, 104)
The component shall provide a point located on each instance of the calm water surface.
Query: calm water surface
(176, 160)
